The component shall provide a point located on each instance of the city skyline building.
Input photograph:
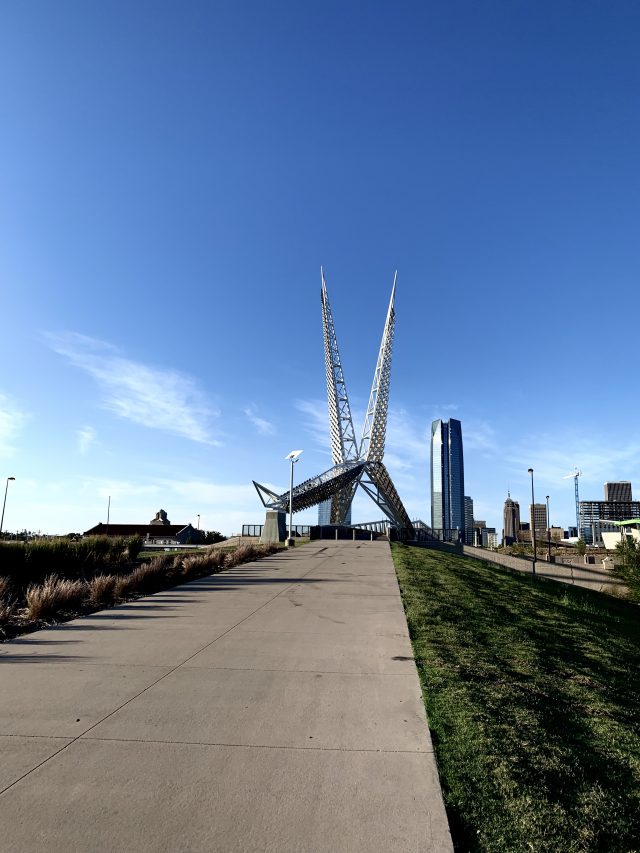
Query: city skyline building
(618, 491)
(324, 513)
(595, 516)
(510, 521)
(447, 476)
(538, 520)
(468, 520)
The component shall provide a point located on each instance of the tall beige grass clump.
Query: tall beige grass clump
(53, 595)
(145, 578)
(5, 587)
(7, 602)
(102, 589)
(242, 554)
(247, 553)
(211, 560)
(215, 558)
(7, 610)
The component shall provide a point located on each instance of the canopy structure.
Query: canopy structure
(355, 462)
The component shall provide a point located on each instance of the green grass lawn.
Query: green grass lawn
(532, 689)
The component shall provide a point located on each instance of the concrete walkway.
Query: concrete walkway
(274, 707)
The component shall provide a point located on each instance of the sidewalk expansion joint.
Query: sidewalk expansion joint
(258, 745)
(148, 687)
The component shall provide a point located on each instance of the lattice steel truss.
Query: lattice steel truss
(353, 464)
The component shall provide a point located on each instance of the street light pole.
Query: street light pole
(198, 521)
(533, 521)
(5, 502)
(293, 457)
(548, 532)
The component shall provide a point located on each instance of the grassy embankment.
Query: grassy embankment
(532, 689)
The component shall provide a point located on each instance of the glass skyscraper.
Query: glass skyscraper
(324, 513)
(447, 476)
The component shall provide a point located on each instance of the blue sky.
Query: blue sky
(172, 176)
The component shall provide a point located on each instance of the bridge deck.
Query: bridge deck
(272, 707)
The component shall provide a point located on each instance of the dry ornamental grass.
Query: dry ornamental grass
(102, 589)
(55, 594)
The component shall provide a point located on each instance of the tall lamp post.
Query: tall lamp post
(293, 456)
(533, 522)
(548, 532)
(4, 503)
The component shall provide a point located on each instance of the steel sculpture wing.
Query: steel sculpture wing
(375, 421)
(353, 465)
(343, 438)
(344, 446)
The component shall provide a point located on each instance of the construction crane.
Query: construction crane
(574, 476)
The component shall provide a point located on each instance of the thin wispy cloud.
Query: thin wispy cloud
(597, 457)
(479, 436)
(117, 489)
(316, 421)
(86, 437)
(150, 396)
(263, 426)
(12, 420)
(407, 442)
(221, 506)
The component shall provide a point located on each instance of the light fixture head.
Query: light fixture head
(293, 455)
(529, 470)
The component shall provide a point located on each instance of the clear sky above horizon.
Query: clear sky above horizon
(172, 176)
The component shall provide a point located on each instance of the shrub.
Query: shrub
(44, 557)
(102, 589)
(5, 586)
(53, 595)
(12, 558)
(133, 547)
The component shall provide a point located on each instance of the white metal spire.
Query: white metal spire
(343, 439)
(353, 465)
(375, 422)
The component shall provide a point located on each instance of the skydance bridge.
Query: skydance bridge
(355, 463)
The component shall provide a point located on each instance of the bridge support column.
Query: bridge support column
(275, 527)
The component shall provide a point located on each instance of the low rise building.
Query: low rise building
(159, 531)
(596, 517)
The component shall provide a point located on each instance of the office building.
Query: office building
(489, 538)
(479, 532)
(468, 520)
(324, 513)
(620, 491)
(538, 520)
(510, 521)
(447, 478)
(596, 516)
